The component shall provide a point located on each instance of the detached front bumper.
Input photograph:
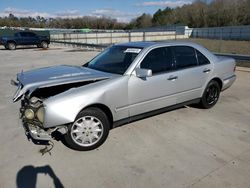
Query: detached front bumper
(228, 82)
(36, 132)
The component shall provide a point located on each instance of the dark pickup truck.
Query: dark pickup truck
(24, 38)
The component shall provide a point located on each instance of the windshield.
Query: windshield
(115, 59)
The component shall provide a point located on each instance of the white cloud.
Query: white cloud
(27, 13)
(171, 4)
(109, 13)
(68, 14)
(23, 13)
(112, 13)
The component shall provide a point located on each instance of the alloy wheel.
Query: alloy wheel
(87, 131)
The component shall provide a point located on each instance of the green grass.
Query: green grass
(224, 46)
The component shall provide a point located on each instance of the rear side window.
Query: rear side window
(202, 60)
(185, 57)
(158, 60)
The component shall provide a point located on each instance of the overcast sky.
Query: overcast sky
(122, 10)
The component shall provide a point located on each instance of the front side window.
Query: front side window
(115, 59)
(185, 57)
(158, 60)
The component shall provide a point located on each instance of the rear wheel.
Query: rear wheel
(6, 47)
(11, 45)
(89, 130)
(44, 44)
(210, 95)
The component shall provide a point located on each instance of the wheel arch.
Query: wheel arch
(11, 41)
(44, 40)
(105, 109)
(217, 79)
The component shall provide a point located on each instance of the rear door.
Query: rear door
(192, 70)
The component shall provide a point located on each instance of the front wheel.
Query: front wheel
(89, 130)
(210, 95)
(11, 45)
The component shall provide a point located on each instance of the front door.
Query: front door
(158, 91)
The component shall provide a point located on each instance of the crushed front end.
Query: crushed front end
(32, 115)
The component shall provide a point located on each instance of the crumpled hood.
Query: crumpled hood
(57, 75)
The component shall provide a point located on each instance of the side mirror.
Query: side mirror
(143, 73)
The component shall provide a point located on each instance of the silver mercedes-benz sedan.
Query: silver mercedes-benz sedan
(124, 83)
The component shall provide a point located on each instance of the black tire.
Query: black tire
(39, 46)
(211, 95)
(6, 47)
(11, 45)
(78, 144)
(44, 44)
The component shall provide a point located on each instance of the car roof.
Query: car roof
(158, 43)
(137, 44)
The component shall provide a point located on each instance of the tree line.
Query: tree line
(64, 23)
(201, 13)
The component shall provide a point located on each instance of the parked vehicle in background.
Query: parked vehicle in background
(124, 83)
(24, 38)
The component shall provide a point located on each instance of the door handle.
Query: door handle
(206, 70)
(172, 78)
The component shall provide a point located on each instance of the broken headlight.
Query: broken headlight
(40, 114)
(29, 114)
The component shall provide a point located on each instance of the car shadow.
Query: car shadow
(29, 48)
(21, 48)
(27, 176)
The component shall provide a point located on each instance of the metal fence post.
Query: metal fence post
(240, 37)
(230, 33)
(129, 36)
(144, 37)
(221, 33)
(111, 38)
(96, 37)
